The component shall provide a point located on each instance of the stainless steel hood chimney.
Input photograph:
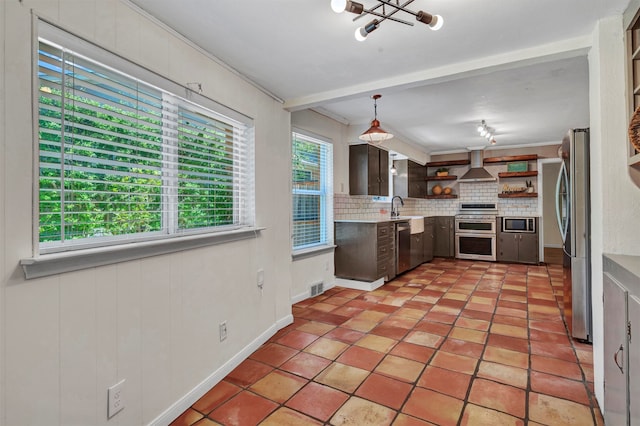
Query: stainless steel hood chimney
(477, 173)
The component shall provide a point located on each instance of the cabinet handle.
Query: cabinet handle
(615, 358)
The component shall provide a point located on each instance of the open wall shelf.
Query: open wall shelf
(448, 163)
(518, 195)
(518, 174)
(442, 197)
(506, 159)
(447, 177)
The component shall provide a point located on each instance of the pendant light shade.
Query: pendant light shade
(375, 133)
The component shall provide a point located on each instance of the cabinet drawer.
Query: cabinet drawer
(384, 231)
(384, 250)
(383, 269)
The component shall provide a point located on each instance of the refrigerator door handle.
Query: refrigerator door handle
(560, 194)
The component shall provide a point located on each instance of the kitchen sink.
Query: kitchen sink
(416, 223)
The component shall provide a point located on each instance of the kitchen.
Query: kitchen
(71, 336)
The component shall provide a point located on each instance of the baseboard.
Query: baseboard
(196, 393)
(307, 294)
(300, 297)
(359, 285)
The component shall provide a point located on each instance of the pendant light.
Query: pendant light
(393, 169)
(375, 134)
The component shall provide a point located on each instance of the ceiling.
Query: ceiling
(520, 65)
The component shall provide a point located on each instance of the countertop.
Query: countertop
(381, 220)
(624, 268)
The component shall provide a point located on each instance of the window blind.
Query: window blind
(312, 191)
(122, 159)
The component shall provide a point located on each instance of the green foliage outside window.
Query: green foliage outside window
(104, 169)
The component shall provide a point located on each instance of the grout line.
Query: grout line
(460, 269)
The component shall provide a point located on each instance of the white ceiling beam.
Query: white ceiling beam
(539, 54)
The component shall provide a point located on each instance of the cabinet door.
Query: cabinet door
(507, 247)
(416, 180)
(382, 172)
(634, 361)
(373, 170)
(615, 352)
(417, 249)
(528, 248)
(427, 239)
(368, 170)
(441, 244)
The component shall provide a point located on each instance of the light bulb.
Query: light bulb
(338, 6)
(361, 34)
(436, 22)
(480, 127)
(493, 141)
(488, 135)
(483, 132)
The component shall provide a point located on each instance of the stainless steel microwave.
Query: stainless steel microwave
(519, 224)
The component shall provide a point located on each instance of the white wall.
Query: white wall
(320, 268)
(615, 200)
(153, 322)
(2, 206)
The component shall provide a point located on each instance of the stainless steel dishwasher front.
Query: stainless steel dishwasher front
(403, 247)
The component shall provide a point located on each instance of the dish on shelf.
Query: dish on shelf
(508, 189)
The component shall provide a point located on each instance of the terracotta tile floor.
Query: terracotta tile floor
(450, 343)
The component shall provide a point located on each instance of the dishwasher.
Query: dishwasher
(403, 247)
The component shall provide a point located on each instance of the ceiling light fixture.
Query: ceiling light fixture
(384, 9)
(375, 133)
(487, 132)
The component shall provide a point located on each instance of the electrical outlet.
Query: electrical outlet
(260, 278)
(223, 330)
(116, 399)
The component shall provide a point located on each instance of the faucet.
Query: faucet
(395, 213)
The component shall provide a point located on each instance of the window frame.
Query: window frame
(42, 264)
(191, 101)
(325, 194)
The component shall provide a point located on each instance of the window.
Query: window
(312, 192)
(125, 160)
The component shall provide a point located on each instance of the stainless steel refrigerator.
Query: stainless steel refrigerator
(573, 213)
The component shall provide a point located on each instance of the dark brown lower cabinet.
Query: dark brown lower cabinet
(444, 243)
(365, 250)
(520, 247)
(427, 238)
(417, 249)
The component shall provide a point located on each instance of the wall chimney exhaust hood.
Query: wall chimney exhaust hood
(477, 173)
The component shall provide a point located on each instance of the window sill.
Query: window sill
(310, 252)
(58, 263)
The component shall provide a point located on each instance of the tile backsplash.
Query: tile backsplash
(365, 207)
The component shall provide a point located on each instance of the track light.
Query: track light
(486, 131)
(384, 10)
(362, 32)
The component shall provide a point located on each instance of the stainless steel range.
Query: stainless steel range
(476, 231)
